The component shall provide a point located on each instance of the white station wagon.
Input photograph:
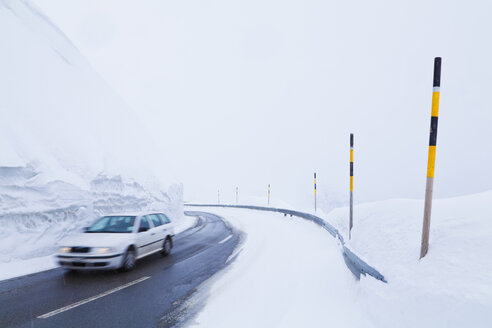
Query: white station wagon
(117, 241)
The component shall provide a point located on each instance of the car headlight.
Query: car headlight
(102, 250)
(65, 249)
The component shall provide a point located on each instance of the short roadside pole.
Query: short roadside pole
(218, 196)
(351, 219)
(432, 157)
(314, 192)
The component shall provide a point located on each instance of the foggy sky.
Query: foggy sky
(247, 93)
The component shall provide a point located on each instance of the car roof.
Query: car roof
(133, 213)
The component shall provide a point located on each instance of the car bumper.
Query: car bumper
(101, 262)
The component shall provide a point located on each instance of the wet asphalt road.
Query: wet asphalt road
(152, 295)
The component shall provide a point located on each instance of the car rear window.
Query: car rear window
(156, 220)
(164, 218)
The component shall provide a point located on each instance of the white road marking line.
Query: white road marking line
(90, 299)
(225, 239)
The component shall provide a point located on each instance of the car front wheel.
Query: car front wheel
(129, 261)
(166, 247)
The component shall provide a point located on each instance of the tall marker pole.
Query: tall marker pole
(429, 186)
(237, 191)
(351, 222)
(314, 192)
(268, 194)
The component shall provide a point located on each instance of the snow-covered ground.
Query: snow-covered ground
(451, 286)
(291, 273)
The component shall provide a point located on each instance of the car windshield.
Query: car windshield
(113, 224)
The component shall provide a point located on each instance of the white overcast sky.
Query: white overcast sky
(249, 92)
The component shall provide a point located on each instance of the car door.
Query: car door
(168, 225)
(158, 229)
(144, 236)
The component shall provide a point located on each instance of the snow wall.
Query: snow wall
(70, 148)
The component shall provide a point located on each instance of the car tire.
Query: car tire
(129, 261)
(166, 247)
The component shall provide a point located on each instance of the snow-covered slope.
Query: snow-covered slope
(70, 148)
(451, 286)
(56, 111)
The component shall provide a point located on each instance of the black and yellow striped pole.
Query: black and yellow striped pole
(351, 220)
(314, 192)
(429, 186)
(268, 194)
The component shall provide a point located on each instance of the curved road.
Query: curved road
(151, 295)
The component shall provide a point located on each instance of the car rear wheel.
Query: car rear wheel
(166, 247)
(129, 261)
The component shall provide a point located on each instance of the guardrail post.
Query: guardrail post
(429, 186)
(351, 219)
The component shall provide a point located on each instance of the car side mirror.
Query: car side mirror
(142, 229)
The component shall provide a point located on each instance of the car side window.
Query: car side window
(144, 223)
(164, 218)
(156, 220)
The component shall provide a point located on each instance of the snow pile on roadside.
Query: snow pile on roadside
(35, 217)
(289, 273)
(451, 286)
(70, 148)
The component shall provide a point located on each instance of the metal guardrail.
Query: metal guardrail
(355, 264)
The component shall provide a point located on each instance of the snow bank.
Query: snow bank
(70, 148)
(289, 273)
(451, 286)
(34, 218)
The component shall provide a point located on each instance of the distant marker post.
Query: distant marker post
(314, 192)
(268, 195)
(351, 219)
(431, 158)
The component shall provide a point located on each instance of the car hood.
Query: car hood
(96, 239)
